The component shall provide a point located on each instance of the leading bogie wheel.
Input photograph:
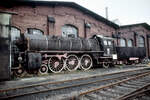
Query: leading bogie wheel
(19, 72)
(105, 65)
(43, 69)
(86, 62)
(55, 64)
(72, 62)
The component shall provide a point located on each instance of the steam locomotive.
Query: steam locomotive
(40, 52)
(44, 53)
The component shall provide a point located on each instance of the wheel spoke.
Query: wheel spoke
(86, 62)
(72, 62)
(55, 64)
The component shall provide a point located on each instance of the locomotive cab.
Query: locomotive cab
(108, 48)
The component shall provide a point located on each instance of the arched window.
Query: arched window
(15, 33)
(122, 42)
(34, 31)
(130, 43)
(69, 31)
(141, 41)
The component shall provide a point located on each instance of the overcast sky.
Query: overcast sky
(127, 11)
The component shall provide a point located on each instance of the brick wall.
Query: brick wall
(128, 33)
(36, 17)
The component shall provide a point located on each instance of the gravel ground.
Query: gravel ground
(65, 76)
(74, 89)
(143, 96)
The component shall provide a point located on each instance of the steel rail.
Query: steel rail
(59, 88)
(46, 83)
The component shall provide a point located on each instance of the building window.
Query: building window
(34, 31)
(141, 41)
(69, 31)
(15, 33)
(122, 42)
(130, 43)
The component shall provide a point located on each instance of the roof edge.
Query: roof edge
(145, 25)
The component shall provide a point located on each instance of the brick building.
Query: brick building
(67, 19)
(57, 18)
(137, 35)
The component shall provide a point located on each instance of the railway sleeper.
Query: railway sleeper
(144, 98)
(105, 94)
(99, 97)
(144, 81)
(114, 92)
(39, 88)
(123, 89)
(137, 83)
(129, 86)
(89, 97)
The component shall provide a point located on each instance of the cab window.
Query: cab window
(105, 42)
(109, 43)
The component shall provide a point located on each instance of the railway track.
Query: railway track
(121, 90)
(137, 95)
(77, 87)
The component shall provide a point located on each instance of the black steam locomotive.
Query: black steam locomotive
(41, 53)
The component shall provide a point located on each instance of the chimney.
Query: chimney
(106, 9)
